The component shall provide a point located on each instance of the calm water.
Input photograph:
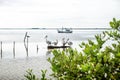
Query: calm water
(37, 38)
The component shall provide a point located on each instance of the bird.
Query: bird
(64, 42)
(48, 42)
(55, 43)
(67, 40)
(70, 43)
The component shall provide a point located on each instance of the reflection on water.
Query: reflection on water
(37, 44)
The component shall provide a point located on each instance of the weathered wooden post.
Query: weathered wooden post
(26, 45)
(1, 49)
(37, 49)
(14, 49)
(25, 42)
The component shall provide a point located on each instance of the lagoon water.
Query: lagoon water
(15, 69)
(37, 38)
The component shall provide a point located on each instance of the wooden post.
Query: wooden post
(37, 49)
(1, 49)
(14, 49)
(27, 46)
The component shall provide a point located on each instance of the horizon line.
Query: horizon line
(53, 28)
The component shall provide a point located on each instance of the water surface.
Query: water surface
(37, 38)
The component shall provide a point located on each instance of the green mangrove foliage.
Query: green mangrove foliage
(98, 60)
(115, 24)
(31, 76)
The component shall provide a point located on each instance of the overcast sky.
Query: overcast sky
(57, 13)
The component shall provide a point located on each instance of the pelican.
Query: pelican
(70, 43)
(55, 43)
(64, 42)
(67, 40)
(48, 42)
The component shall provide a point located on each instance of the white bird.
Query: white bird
(55, 43)
(48, 42)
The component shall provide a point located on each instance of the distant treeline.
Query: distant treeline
(53, 28)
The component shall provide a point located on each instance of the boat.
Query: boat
(64, 30)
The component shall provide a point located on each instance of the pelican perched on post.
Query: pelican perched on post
(48, 42)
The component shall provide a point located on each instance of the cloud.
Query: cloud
(31, 13)
(2, 2)
(7, 2)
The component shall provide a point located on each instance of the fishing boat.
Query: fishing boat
(65, 30)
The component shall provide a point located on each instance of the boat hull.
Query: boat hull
(53, 47)
(65, 30)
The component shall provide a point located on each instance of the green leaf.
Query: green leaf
(98, 66)
(118, 55)
(85, 67)
(114, 45)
